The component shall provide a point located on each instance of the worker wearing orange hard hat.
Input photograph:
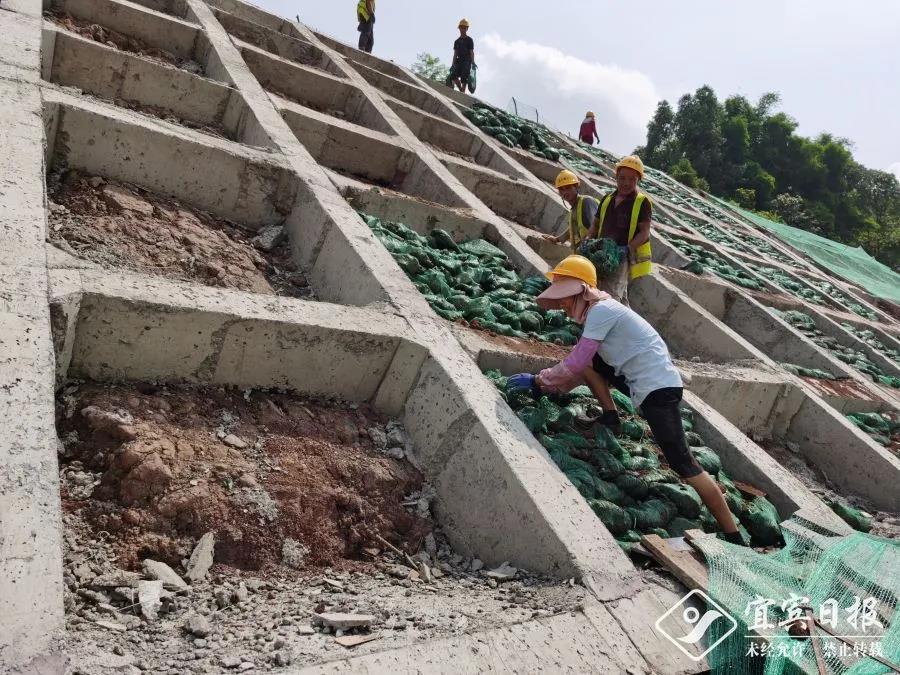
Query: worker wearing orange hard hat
(618, 348)
(624, 216)
(582, 211)
(588, 131)
(463, 57)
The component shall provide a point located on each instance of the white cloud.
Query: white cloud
(563, 87)
(894, 169)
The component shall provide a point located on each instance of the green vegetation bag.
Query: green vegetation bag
(707, 459)
(608, 467)
(608, 491)
(623, 402)
(684, 497)
(633, 429)
(632, 485)
(616, 520)
(652, 513)
(533, 417)
(853, 517)
(762, 522)
(679, 525)
(693, 439)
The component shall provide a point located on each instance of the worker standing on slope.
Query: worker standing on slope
(463, 57)
(624, 217)
(365, 14)
(619, 348)
(582, 212)
(588, 131)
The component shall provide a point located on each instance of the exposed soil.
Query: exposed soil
(843, 388)
(118, 225)
(884, 524)
(125, 43)
(529, 346)
(332, 112)
(169, 116)
(312, 515)
(170, 465)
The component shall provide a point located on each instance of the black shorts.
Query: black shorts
(660, 409)
(461, 70)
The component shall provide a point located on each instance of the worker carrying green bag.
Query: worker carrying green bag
(582, 212)
(619, 348)
(624, 216)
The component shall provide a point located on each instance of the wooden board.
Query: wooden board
(748, 490)
(682, 564)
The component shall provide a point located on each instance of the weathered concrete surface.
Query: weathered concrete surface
(227, 179)
(588, 641)
(31, 610)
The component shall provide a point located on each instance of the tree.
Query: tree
(698, 129)
(430, 67)
(683, 171)
(660, 147)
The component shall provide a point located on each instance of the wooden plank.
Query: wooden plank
(748, 490)
(350, 641)
(683, 565)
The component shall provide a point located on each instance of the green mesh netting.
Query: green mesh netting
(851, 263)
(855, 579)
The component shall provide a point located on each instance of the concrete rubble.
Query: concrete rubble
(180, 185)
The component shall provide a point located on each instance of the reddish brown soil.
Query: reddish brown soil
(111, 38)
(169, 116)
(309, 473)
(124, 226)
(848, 389)
(528, 346)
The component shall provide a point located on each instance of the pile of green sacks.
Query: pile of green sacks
(759, 245)
(845, 300)
(883, 427)
(599, 153)
(714, 234)
(816, 373)
(604, 253)
(512, 130)
(795, 288)
(625, 478)
(806, 325)
(474, 282)
(872, 340)
(702, 259)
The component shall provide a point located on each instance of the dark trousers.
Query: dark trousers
(660, 409)
(367, 35)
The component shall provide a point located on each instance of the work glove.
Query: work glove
(610, 420)
(523, 381)
(625, 252)
(732, 538)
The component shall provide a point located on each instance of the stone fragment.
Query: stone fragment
(293, 553)
(234, 441)
(342, 621)
(111, 625)
(201, 558)
(198, 625)
(123, 199)
(269, 237)
(504, 572)
(149, 598)
(476, 565)
(240, 594)
(378, 437)
(161, 571)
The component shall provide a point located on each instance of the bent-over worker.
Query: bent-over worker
(588, 131)
(365, 14)
(619, 348)
(624, 216)
(463, 57)
(582, 212)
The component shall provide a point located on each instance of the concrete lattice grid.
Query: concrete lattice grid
(305, 127)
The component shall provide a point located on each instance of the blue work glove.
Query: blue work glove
(523, 381)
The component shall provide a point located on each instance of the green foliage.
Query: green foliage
(753, 155)
(430, 67)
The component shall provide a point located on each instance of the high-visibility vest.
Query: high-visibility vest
(643, 266)
(577, 228)
(362, 9)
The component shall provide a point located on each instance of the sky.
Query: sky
(836, 64)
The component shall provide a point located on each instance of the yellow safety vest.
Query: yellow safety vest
(576, 224)
(362, 9)
(643, 266)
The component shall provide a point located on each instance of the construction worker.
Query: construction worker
(619, 348)
(365, 14)
(582, 212)
(588, 131)
(463, 57)
(624, 216)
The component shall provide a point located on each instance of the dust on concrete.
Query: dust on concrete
(884, 523)
(313, 504)
(116, 40)
(123, 226)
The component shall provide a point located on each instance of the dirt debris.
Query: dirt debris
(118, 225)
(348, 520)
(117, 40)
(884, 524)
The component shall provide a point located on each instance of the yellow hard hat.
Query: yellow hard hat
(590, 113)
(565, 178)
(463, 23)
(632, 162)
(575, 267)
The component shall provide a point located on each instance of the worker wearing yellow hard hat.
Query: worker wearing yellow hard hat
(624, 216)
(582, 211)
(618, 348)
(463, 57)
(588, 131)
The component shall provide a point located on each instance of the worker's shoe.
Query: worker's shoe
(732, 538)
(610, 420)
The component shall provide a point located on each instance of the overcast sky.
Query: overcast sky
(835, 63)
